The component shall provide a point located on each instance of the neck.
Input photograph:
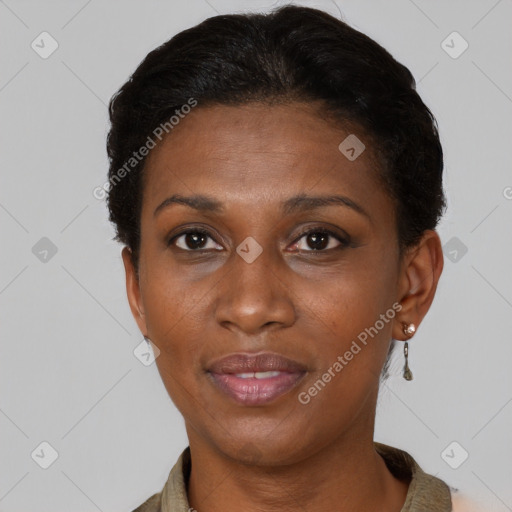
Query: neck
(346, 475)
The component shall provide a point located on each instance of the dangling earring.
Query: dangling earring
(409, 330)
(147, 339)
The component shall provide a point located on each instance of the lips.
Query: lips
(255, 379)
(263, 362)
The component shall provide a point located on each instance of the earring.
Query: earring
(147, 339)
(409, 330)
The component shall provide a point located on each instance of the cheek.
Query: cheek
(346, 299)
(175, 315)
(168, 293)
(349, 343)
(349, 316)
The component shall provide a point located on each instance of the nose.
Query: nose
(254, 297)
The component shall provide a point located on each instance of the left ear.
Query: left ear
(420, 271)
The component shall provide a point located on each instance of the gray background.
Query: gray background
(69, 376)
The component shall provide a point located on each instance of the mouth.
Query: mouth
(256, 379)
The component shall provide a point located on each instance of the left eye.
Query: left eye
(320, 240)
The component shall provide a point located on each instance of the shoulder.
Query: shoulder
(173, 496)
(152, 504)
(425, 490)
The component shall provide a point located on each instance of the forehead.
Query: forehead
(259, 153)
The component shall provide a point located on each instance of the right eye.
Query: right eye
(193, 240)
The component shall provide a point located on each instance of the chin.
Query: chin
(263, 449)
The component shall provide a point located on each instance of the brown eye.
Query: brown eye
(194, 240)
(320, 240)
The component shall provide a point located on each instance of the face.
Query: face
(259, 264)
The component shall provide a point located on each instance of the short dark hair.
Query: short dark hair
(291, 54)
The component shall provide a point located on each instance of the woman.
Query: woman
(277, 181)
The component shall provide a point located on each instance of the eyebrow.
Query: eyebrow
(301, 202)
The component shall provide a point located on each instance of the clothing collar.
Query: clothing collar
(425, 491)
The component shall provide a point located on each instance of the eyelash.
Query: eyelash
(344, 242)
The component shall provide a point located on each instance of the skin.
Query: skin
(304, 304)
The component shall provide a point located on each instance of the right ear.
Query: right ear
(133, 291)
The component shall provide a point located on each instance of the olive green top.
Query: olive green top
(426, 493)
